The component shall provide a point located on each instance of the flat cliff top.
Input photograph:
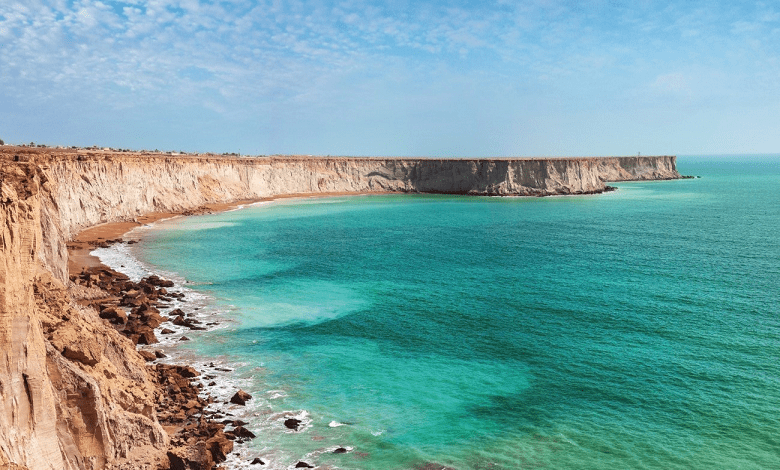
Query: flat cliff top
(51, 154)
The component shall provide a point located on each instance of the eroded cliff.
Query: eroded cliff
(73, 392)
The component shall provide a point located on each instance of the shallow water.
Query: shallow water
(633, 329)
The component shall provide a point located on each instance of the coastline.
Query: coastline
(85, 241)
(61, 204)
(212, 378)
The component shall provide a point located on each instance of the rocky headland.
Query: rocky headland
(75, 392)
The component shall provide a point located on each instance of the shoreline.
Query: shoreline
(200, 372)
(90, 238)
(59, 205)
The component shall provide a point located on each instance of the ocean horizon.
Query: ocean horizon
(632, 329)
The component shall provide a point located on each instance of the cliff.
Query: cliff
(73, 392)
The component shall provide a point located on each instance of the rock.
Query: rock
(167, 331)
(219, 446)
(134, 301)
(146, 336)
(115, 315)
(85, 355)
(187, 371)
(240, 398)
(151, 318)
(184, 338)
(292, 423)
(148, 355)
(196, 457)
(159, 354)
(257, 461)
(243, 432)
(340, 450)
(300, 464)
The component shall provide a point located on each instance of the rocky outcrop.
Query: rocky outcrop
(74, 393)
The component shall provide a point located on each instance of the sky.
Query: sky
(407, 78)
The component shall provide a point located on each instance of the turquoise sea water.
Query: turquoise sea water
(634, 329)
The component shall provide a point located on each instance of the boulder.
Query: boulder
(147, 355)
(219, 446)
(196, 457)
(240, 398)
(146, 336)
(243, 432)
(114, 314)
(292, 423)
(300, 464)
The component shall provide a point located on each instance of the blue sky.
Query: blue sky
(428, 78)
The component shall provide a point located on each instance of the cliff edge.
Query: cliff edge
(74, 393)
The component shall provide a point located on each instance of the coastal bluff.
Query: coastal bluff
(74, 393)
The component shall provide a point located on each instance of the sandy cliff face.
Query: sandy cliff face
(28, 417)
(100, 188)
(73, 392)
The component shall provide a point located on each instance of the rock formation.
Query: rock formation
(74, 393)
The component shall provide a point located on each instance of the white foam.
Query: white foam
(227, 376)
(335, 424)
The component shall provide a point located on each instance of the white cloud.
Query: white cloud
(243, 58)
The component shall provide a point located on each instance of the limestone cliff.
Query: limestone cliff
(73, 392)
(96, 188)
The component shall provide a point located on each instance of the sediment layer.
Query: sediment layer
(74, 393)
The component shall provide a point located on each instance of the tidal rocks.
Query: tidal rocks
(292, 423)
(303, 464)
(242, 432)
(240, 398)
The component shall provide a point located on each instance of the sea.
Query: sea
(635, 329)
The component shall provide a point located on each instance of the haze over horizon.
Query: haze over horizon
(355, 77)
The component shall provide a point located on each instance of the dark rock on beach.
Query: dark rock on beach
(240, 398)
(242, 432)
(302, 464)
